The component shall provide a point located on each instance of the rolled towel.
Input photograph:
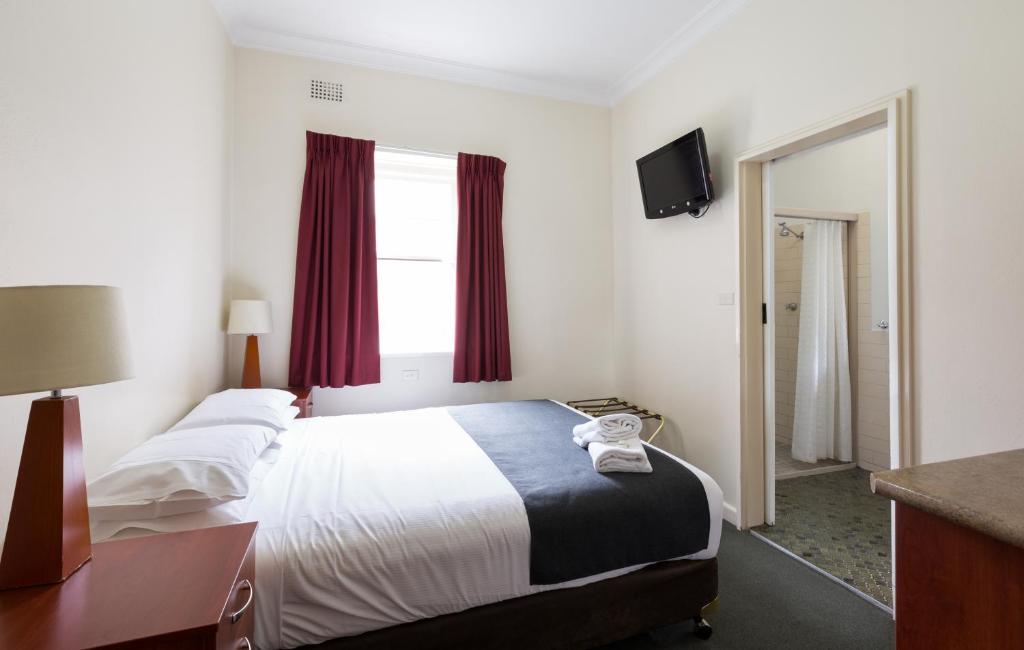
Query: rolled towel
(623, 456)
(607, 428)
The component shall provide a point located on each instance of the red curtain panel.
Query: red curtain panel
(481, 309)
(335, 336)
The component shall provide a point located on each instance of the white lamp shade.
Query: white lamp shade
(55, 337)
(249, 317)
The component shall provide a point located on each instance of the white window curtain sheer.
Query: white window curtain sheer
(822, 423)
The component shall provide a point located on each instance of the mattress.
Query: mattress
(369, 521)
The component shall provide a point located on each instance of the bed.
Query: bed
(399, 529)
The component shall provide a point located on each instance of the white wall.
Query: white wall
(846, 176)
(778, 66)
(556, 219)
(113, 170)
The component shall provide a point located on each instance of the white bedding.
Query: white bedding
(368, 521)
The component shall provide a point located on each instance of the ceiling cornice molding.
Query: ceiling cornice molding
(243, 35)
(401, 62)
(674, 47)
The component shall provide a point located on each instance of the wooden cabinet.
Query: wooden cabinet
(955, 587)
(194, 589)
(237, 620)
(959, 552)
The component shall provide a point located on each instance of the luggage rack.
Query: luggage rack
(613, 405)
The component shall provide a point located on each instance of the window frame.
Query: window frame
(449, 175)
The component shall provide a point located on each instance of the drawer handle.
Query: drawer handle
(235, 616)
(244, 643)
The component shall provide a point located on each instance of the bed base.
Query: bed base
(581, 617)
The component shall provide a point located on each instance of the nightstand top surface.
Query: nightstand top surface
(131, 589)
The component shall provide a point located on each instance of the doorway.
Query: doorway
(826, 351)
(759, 225)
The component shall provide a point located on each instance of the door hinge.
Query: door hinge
(764, 314)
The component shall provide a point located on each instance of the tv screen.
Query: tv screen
(676, 178)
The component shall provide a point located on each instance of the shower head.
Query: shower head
(784, 231)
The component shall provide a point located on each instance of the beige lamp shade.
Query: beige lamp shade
(54, 337)
(249, 317)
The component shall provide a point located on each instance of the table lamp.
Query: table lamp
(250, 317)
(51, 338)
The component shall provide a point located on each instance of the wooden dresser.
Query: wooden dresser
(193, 589)
(959, 552)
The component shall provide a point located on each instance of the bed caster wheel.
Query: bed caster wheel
(701, 629)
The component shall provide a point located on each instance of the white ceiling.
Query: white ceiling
(592, 51)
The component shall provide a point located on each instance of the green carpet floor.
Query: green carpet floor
(834, 522)
(768, 600)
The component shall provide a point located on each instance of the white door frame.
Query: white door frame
(768, 292)
(893, 112)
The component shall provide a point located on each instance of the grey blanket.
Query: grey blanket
(581, 522)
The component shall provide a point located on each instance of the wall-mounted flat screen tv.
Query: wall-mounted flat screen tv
(676, 178)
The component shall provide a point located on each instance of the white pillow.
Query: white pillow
(232, 512)
(267, 407)
(179, 471)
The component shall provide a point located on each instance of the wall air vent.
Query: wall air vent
(325, 90)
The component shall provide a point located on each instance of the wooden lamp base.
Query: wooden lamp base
(48, 532)
(251, 367)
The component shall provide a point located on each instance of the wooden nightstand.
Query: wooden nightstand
(304, 400)
(193, 589)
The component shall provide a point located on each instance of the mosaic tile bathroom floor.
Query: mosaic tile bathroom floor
(834, 522)
(786, 465)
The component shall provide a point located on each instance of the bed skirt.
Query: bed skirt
(580, 617)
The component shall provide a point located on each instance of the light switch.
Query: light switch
(726, 298)
(410, 375)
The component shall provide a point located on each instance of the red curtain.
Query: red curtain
(481, 309)
(335, 337)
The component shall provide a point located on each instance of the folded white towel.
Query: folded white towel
(607, 428)
(623, 456)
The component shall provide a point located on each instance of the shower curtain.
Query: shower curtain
(822, 422)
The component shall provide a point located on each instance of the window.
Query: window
(417, 218)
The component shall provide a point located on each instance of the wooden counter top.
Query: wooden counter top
(984, 493)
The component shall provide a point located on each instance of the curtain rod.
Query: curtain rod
(422, 152)
(821, 215)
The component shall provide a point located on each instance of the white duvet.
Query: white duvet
(368, 521)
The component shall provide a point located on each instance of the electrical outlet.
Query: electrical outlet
(726, 298)
(410, 375)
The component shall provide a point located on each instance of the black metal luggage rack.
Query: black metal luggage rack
(613, 405)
